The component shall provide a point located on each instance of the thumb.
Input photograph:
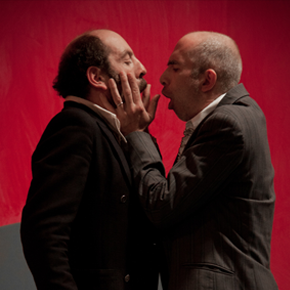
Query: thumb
(152, 107)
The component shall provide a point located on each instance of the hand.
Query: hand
(135, 114)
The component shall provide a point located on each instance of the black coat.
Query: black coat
(81, 227)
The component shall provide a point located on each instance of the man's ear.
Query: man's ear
(209, 80)
(96, 78)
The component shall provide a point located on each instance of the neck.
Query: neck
(101, 100)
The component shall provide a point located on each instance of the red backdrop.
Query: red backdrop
(34, 34)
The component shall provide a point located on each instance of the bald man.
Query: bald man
(215, 207)
(81, 226)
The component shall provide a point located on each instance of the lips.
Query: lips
(142, 85)
(170, 105)
(163, 93)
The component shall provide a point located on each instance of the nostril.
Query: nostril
(141, 75)
(162, 80)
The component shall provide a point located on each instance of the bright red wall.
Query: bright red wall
(33, 34)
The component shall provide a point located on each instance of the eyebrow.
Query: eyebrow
(172, 62)
(125, 53)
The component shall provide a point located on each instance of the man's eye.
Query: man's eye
(128, 62)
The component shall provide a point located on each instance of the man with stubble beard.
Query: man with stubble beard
(81, 226)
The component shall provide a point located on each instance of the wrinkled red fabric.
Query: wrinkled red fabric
(33, 34)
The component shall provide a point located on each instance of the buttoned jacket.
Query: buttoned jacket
(81, 227)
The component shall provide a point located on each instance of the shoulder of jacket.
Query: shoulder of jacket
(74, 116)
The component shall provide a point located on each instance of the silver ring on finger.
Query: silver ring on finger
(120, 104)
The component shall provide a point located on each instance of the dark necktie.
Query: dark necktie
(186, 135)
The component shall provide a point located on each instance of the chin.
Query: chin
(181, 117)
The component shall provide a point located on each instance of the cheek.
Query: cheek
(180, 83)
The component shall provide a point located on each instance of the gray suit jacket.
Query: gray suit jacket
(215, 208)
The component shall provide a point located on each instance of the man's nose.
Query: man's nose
(141, 69)
(162, 79)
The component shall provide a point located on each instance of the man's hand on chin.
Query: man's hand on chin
(135, 114)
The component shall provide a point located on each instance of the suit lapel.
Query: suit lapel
(231, 97)
(110, 136)
(117, 148)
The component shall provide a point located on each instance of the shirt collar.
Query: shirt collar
(195, 121)
(110, 118)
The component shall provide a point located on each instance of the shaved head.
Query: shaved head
(211, 50)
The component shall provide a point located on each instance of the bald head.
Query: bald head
(211, 50)
(103, 33)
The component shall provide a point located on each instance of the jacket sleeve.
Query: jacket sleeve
(204, 167)
(60, 166)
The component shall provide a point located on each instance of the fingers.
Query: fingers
(126, 89)
(133, 88)
(130, 91)
(131, 95)
(114, 92)
(152, 107)
(136, 113)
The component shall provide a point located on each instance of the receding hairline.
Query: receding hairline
(97, 33)
(94, 32)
